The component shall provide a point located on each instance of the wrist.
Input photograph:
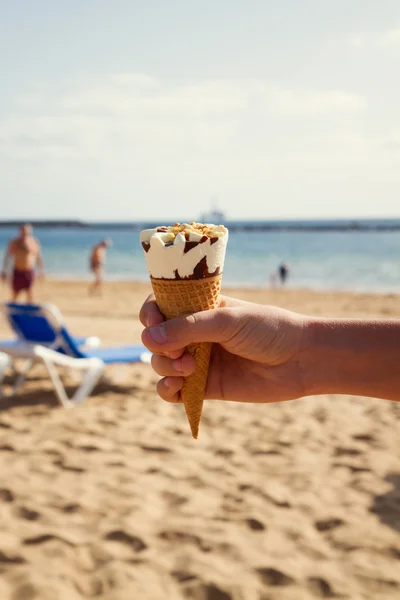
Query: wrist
(333, 356)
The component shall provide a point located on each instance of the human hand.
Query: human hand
(256, 354)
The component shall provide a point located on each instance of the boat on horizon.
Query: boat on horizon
(214, 216)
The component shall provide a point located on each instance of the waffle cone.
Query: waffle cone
(178, 297)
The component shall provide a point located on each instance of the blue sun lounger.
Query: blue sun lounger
(41, 336)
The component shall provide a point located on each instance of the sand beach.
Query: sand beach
(114, 500)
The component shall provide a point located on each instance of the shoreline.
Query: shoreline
(239, 286)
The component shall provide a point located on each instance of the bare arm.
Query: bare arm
(266, 354)
(353, 356)
(6, 259)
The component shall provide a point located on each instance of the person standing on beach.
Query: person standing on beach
(97, 261)
(24, 252)
(283, 272)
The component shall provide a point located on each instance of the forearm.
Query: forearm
(351, 356)
(5, 262)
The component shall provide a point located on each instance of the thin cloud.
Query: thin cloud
(125, 94)
(384, 39)
(123, 138)
(131, 116)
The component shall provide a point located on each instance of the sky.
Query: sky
(131, 110)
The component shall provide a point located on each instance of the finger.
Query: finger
(169, 387)
(216, 325)
(150, 314)
(164, 366)
(172, 353)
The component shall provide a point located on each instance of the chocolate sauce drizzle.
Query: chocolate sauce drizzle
(200, 271)
(189, 245)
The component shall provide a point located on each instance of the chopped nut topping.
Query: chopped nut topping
(211, 231)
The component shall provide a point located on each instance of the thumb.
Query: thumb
(215, 325)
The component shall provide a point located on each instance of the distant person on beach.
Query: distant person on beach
(268, 354)
(283, 272)
(97, 261)
(24, 253)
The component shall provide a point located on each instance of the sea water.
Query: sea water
(347, 259)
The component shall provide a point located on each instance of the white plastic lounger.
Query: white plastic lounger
(43, 337)
(5, 363)
(33, 353)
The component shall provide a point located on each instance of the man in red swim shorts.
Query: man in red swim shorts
(25, 253)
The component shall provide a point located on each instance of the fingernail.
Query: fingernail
(158, 334)
(177, 365)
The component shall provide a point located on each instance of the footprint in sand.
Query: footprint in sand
(174, 500)
(72, 507)
(225, 452)
(276, 494)
(340, 451)
(136, 543)
(233, 498)
(255, 525)
(328, 524)
(6, 495)
(29, 514)
(67, 466)
(368, 438)
(184, 538)
(10, 557)
(153, 470)
(274, 577)
(4, 447)
(206, 591)
(352, 468)
(320, 587)
(195, 482)
(394, 552)
(245, 487)
(158, 449)
(387, 506)
(42, 539)
(183, 576)
(178, 431)
(266, 452)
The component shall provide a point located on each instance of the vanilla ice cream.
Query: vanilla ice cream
(185, 251)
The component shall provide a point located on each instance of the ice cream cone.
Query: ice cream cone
(185, 264)
(178, 297)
